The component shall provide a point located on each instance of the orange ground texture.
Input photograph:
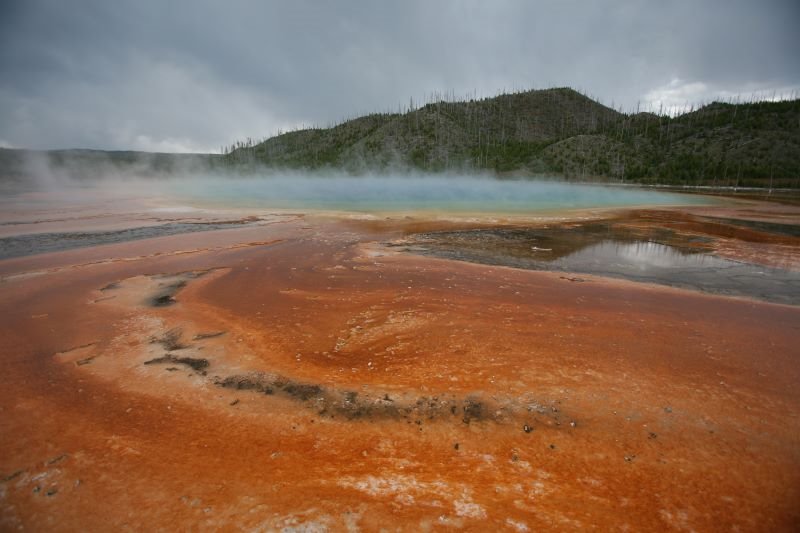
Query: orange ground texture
(303, 376)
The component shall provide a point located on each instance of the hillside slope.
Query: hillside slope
(557, 132)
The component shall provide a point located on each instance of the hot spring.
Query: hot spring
(412, 193)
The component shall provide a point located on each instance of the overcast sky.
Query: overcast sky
(193, 75)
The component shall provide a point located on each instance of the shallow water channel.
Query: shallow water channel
(656, 255)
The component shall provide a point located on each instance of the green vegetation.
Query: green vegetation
(555, 131)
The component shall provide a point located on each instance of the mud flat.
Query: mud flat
(40, 243)
(339, 373)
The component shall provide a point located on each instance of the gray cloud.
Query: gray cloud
(191, 75)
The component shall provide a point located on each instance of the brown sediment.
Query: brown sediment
(195, 363)
(209, 335)
(169, 285)
(406, 392)
(61, 264)
(372, 405)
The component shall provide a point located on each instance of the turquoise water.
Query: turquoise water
(418, 193)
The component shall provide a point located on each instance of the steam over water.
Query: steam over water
(411, 193)
(200, 186)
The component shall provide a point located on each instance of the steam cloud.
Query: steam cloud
(193, 180)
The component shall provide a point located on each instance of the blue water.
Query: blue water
(417, 193)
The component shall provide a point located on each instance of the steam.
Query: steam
(202, 181)
(406, 192)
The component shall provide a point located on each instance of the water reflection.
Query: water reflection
(651, 262)
(608, 250)
(640, 255)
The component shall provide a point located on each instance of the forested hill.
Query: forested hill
(556, 132)
(552, 132)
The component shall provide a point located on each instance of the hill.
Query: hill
(552, 132)
(556, 132)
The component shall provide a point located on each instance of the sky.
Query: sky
(193, 75)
